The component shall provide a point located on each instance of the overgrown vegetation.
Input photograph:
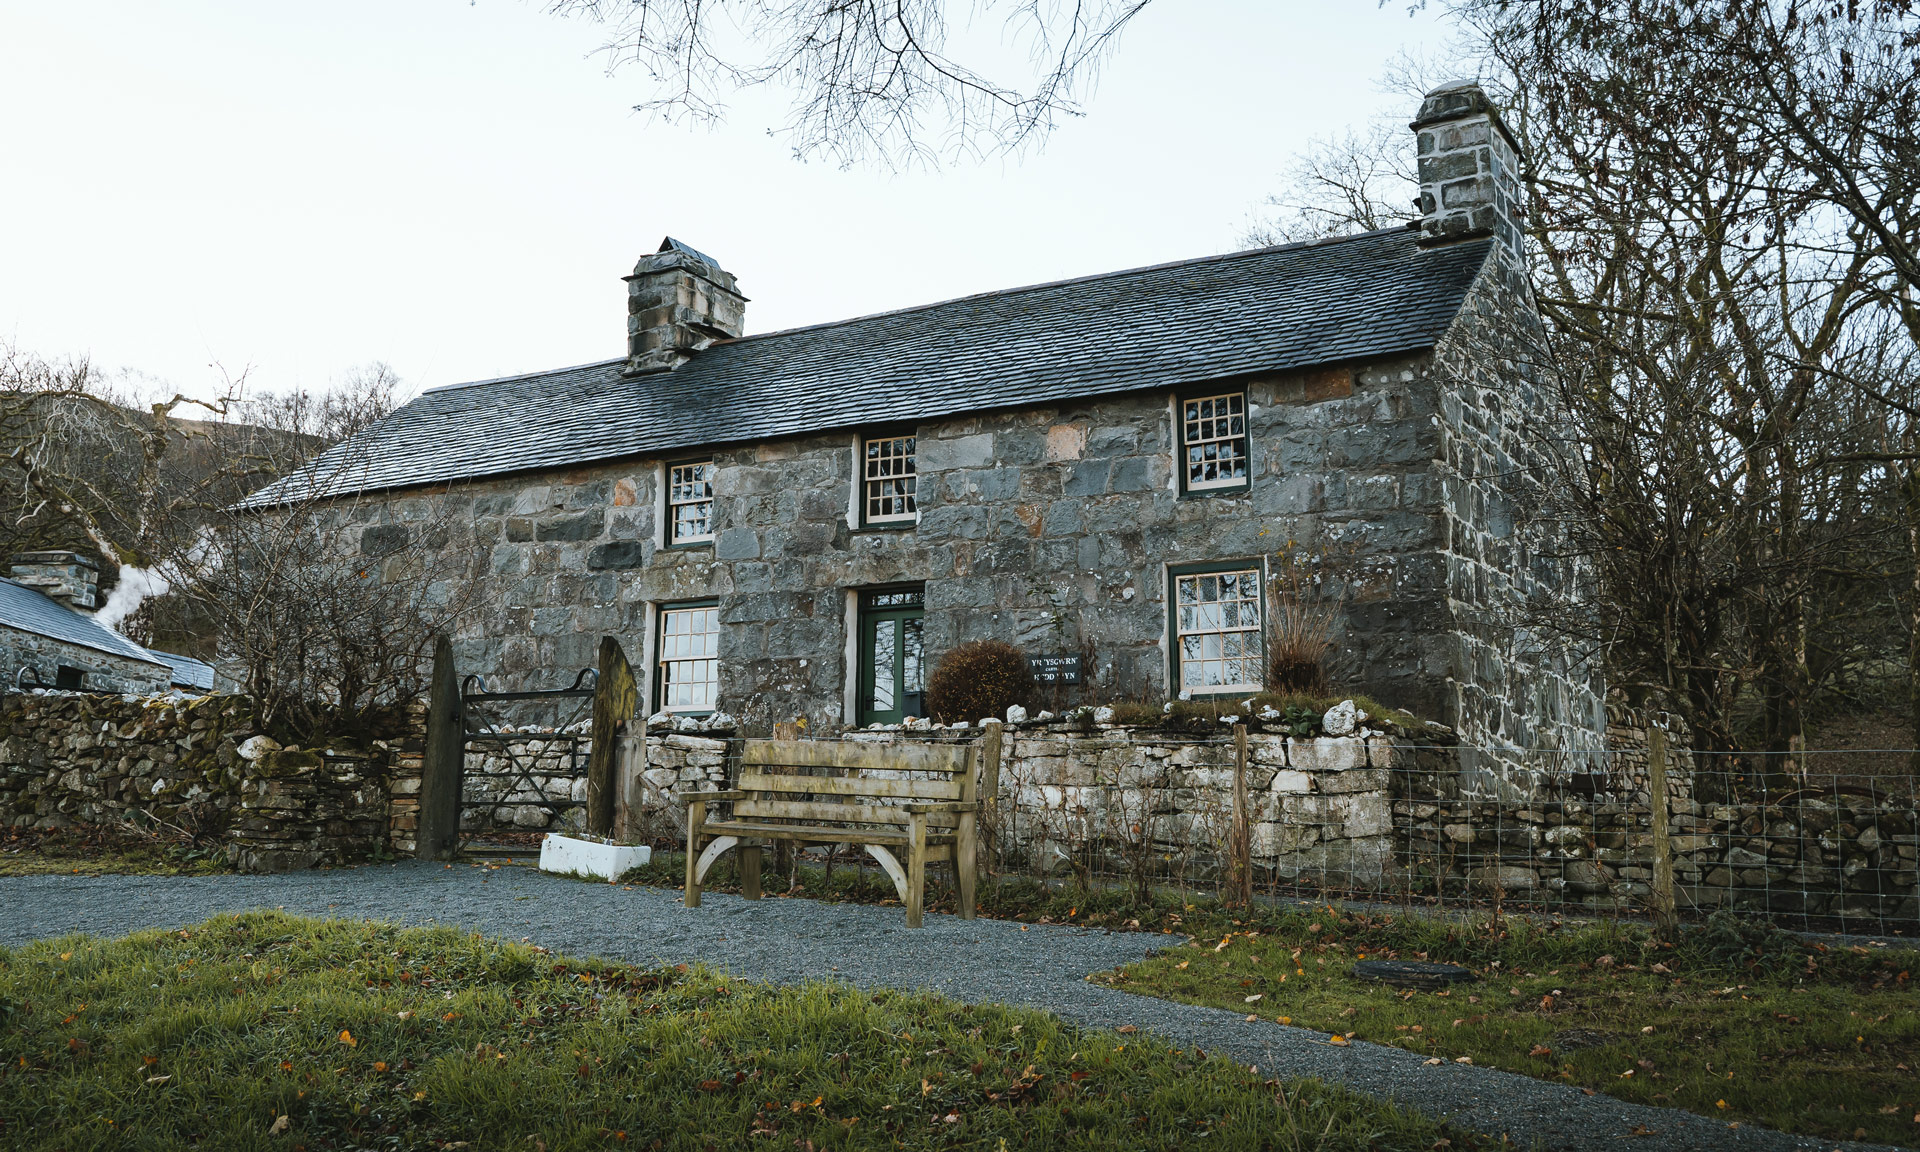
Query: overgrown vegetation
(977, 679)
(106, 851)
(267, 1031)
(1734, 1021)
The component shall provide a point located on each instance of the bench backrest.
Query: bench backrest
(850, 783)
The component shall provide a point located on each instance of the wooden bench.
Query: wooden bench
(885, 798)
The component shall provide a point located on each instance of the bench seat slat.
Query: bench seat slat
(818, 835)
(878, 757)
(751, 781)
(827, 811)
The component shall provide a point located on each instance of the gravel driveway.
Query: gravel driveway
(1042, 966)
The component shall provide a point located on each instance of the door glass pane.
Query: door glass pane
(910, 678)
(885, 664)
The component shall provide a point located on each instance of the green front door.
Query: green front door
(892, 675)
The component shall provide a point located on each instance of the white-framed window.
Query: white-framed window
(689, 660)
(690, 502)
(1216, 630)
(887, 480)
(1213, 441)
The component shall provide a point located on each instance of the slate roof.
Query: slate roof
(187, 672)
(31, 610)
(1270, 309)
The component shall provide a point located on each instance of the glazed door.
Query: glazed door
(892, 671)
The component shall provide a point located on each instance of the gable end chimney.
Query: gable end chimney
(1469, 169)
(64, 577)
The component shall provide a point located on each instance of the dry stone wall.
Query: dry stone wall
(197, 764)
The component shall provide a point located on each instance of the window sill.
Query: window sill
(688, 545)
(1238, 491)
(888, 526)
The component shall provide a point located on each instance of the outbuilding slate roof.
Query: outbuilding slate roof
(1265, 310)
(187, 672)
(30, 610)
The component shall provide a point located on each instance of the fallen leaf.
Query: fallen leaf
(1434, 1060)
(1540, 1050)
(709, 1085)
(1284, 1019)
(346, 1038)
(280, 1127)
(66, 955)
(159, 1079)
(1183, 964)
(1251, 1019)
(1256, 996)
(1463, 1059)
(379, 1065)
(1647, 1031)
(1338, 1039)
(1126, 1028)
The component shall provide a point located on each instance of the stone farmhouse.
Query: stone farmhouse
(798, 524)
(49, 638)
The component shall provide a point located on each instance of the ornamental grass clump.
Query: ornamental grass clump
(1302, 613)
(979, 679)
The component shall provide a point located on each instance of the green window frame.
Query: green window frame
(1215, 453)
(1216, 616)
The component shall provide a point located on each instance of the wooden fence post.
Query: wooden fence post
(442, 760)
(989, 800)
(1665, 918)
(1240, 845)
(615, 696)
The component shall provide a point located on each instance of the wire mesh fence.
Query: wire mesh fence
(1821, 841)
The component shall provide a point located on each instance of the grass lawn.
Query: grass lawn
(102, 851)
(1737, 1024)
(269, 1031)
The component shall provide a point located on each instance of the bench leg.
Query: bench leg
(916, 867)
(696, 818)
(750, 871)
(966, 863)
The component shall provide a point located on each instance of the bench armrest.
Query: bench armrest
(924, 809)
(684, 797)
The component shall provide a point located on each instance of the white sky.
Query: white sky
(456, 188)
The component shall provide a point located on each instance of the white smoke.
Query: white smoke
(136, 584)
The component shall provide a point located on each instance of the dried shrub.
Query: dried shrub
(1302, 613)
(979, 679)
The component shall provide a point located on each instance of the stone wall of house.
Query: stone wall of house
(105, 671)
(1051, 527)
(1527, 706)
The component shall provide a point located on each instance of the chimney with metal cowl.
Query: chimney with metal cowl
(679, 300)
(1469, 169)
(65, 577)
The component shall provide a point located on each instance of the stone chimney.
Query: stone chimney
(67, 577)
(678, 302)
(1469, 169)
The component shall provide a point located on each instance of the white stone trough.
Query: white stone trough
(592, 856)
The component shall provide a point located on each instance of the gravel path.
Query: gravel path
(1042, 966)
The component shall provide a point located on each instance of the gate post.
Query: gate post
(615, 696)
(442, 760)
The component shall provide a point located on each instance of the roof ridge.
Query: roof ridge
(1218, 257)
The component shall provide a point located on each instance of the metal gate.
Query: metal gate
(523, 763)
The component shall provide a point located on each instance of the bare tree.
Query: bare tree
(868, 77)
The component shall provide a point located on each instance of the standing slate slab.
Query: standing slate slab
(442, 760)
(616, 696)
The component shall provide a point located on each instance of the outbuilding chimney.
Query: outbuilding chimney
(66, 577)
(1469, 169)
(679, 301)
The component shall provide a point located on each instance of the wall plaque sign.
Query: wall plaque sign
(1055, 669)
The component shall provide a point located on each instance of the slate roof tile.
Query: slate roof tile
(1266, 310)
